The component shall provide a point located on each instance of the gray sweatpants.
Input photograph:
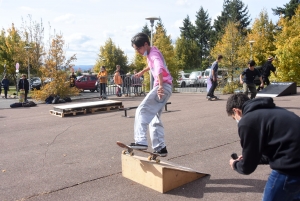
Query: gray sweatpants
(148, 113)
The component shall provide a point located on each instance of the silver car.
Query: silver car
(183, 79)
(195, 78)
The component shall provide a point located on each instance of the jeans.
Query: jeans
(103, 89)
(148, 113)
(252, 90)
(211, 91)
(281, 187)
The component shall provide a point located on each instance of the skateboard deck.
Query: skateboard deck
(152, 156)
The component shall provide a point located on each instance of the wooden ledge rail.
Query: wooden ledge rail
(130, 108)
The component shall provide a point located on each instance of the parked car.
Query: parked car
(195, 78)
(222, 75)
(202, 78)
(183, 79)
(35, 83)
(87, 82)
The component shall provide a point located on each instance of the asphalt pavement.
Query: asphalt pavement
(45, 157)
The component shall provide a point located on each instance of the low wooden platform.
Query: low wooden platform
(88, 107)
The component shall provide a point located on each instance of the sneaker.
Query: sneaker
(208, 97)
(163, 152)
(138, 146)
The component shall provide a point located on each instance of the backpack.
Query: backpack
(14, 105)
(29, 104)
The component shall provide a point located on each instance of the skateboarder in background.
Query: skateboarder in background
(214, 77)
(266, 70)
(102, 76)
(247, 79)
(72, 79)
(265, 140)
(149, 111)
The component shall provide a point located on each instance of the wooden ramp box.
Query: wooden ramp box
(162, 177)
(88, 107)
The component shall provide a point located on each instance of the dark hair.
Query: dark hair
(252, 63)
(140, 39)
(235, 101)
(220, 57)
(103, 67)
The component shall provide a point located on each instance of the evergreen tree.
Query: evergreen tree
(187, 31)
(233, 11)
(146, 30)
(202, 34)
(288, 10)
(109, 56)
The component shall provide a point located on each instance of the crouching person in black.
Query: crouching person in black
(268, 134)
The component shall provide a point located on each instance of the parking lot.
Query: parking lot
(44, 157)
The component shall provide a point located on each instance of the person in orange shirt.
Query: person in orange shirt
(102, 76)
(118, 81)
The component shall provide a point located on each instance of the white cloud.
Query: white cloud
(178, 23)
(27, 9)
(183, 2)
(67, 18)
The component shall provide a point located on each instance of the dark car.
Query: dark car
(86, 82)
(35, 83)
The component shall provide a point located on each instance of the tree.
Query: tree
(230, 47)
(109, 56)
(287, 43)
(288, 10)
(202, 34)
(262, 32)
(146, 30)
(233, 11)
(56, 67)
(188, 29)
(186, 54)
(164, 44)
(12, 51)
(33, 34)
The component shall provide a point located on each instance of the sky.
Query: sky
(87, 24)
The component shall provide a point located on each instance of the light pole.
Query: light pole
(151, 19)
(27, 47)
(251, 45)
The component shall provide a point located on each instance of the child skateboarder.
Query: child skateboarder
(149, 111)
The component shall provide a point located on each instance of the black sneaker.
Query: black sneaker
(163, 152)
(138, 146)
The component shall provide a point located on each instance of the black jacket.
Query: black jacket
(268, 66)
(270, 131)
(24, 84)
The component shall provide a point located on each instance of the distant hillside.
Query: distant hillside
(83, 67)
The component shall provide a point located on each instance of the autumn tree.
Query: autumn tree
(57, 68)
(230, 48)
(12, 51)
(164, 43)
(287, 44)
(262, 33)
(109, 56)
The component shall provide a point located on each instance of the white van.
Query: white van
(222, 75)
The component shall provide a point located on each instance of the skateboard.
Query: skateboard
(152, 156)
(212, 99)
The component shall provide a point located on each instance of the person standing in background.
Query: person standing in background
(5, 84)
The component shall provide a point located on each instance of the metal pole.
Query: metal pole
(29, 75)
(151, 78)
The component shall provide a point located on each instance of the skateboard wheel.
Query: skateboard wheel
(131, 153)
(157, 160)
(149, 158)
(124, 152)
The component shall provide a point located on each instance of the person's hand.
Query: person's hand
(139, 74)
(214, 79)
(231, 161)
(241, 82)
(160, 92)
(262, 85)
